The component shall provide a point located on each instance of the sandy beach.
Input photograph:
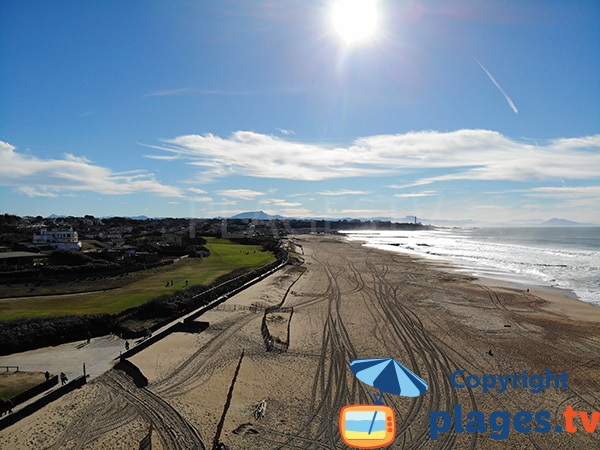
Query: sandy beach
(349, 302)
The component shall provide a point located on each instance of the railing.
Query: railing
(10, 367)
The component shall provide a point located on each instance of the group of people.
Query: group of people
(6, 406)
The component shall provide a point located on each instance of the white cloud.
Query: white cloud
(242, 194)
(173, 203)
(47, 177)
(34, 192)
(226, 202)
(201, 199)
(417, 194)
(280, 202)
(557, 191)
(464, 154)
(344, 192)
(508, 99)
(285, 132)
(565, 192)
(162, 157)
(404, 186)
(197, 191)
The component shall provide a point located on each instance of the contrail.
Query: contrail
(510, 102)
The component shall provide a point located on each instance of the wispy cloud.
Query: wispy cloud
(557, 192)
(242, 194)
(53, 177)
(417, 194)
(197, 191)
(226, 202)
(566, 191)
(508, 99)
(35, 192)
(459, 155)
(280, 202)
(409, 185)
(285, 132)
(344, 192)
(162, 157)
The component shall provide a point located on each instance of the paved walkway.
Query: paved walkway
(69, 358)
(99, 356)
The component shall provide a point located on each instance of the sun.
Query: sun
(355, 20)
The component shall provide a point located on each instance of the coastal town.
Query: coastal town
(28, 241)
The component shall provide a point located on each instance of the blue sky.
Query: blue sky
(453, 109)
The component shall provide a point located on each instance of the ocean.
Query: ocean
(558, 258)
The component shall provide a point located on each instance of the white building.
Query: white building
(59, 238)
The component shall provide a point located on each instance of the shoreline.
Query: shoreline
(351, 302)
(559, 300)
(555, 300)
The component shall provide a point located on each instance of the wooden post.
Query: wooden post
(227, 403)
(146, 442)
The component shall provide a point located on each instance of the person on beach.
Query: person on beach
(47, 375)
(63, 379)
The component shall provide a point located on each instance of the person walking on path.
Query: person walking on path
(9, 406)
(47, 375)
(63, 379)
(126, 345)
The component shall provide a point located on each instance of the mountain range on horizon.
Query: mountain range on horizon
(261, 215)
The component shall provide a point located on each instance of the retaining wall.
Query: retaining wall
(36, 390)
(41, 402)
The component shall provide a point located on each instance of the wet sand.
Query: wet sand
(351, 302)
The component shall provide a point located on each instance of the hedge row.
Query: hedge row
(26, 334)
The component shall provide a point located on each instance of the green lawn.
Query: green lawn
(225, 256)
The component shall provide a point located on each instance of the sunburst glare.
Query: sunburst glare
(355, 20)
